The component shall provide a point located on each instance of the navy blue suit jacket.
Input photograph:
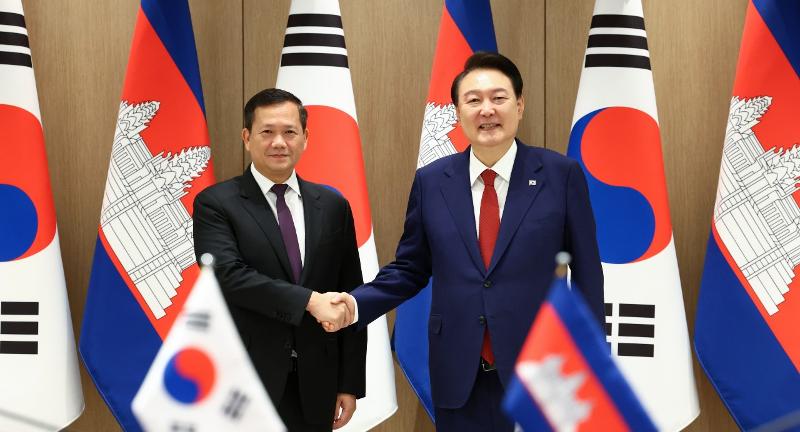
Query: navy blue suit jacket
(547, 210)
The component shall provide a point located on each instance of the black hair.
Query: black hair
(269, 97)
(488, 60)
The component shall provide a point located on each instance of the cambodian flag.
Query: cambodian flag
(748, 312)
(565, 378)
(466, 27)
(144, 263)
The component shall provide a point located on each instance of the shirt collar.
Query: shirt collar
(266, 184)
(503, 166)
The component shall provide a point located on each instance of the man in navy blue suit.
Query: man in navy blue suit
(486, 224)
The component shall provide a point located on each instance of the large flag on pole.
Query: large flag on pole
(314, 67)
(202, 378)
(615, 137)
(144, 263)
(465, 27)
(748, 311)
(565, 378)
(41, 387)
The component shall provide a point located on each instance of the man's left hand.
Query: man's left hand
(345, 407)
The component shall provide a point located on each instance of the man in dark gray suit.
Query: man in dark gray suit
(281, 243)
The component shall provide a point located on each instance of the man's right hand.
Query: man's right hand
(332, 315)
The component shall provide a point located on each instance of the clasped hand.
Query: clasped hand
(332, 310)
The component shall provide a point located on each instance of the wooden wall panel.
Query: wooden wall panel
(80, 51)
(694, 54)
(519, 26)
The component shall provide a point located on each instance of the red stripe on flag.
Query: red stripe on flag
(549, 336)
(24, 165)
(333, 157)
(178, 124)
(452, 50)
(152, 75)
(764, 70)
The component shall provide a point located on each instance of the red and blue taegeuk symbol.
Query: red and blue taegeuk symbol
(619, 149)
(27, 215)
(189, 376)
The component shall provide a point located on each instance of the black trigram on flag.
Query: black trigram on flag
(630, 329)
(14, 48)
(617, 41)
(19, 328)
(235, 405)
(182, 427)
(198, 320)
(314, 40)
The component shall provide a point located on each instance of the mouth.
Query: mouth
(488, 126)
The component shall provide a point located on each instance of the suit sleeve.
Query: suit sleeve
(581, 241)
(352, 343)
(242, 285)
(410, 271)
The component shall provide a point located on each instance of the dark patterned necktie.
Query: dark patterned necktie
(286, 224)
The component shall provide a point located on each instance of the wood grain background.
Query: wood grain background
(80, 50)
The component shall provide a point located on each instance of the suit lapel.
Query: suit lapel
(312, 210)
(457, 194)
(527, 180)
(256, 204)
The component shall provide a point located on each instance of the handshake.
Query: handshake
(332, 310)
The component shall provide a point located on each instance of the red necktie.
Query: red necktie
(488, 227)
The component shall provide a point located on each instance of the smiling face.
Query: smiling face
(488, 110)
(276, 140)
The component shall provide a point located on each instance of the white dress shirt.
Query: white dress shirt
(503, 169)
(293, 200)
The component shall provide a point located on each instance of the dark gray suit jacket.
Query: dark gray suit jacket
(233, 221)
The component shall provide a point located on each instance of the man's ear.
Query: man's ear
(246, 138)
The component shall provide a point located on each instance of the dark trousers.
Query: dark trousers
(291, 410)
(481, 413)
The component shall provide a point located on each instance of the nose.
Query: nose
(487, 108)
(278, 141)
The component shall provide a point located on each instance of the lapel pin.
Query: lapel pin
(531, 182)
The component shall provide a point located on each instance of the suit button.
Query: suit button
(482, 320)
(487, 284)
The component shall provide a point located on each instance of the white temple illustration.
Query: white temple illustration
(143, 219)
(555, 392)
(438, 122)
(756, 215)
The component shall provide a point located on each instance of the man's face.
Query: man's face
(488, 110)
(276, 140)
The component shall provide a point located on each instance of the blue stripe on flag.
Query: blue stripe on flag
(783, 20)
(752, 374)
(113, 319)
(172, 22)
(474, 19)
